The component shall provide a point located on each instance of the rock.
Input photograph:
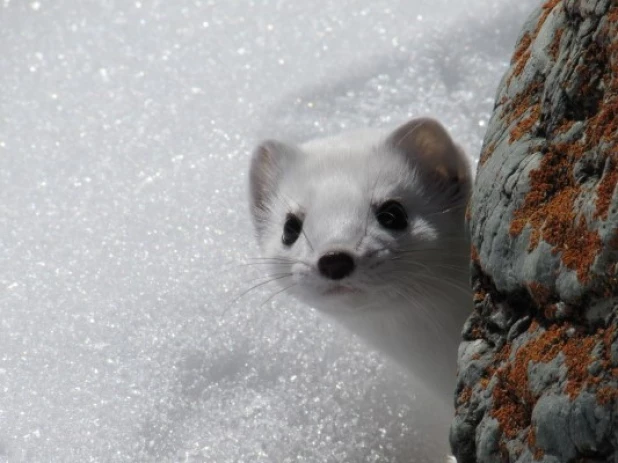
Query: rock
(538, 368)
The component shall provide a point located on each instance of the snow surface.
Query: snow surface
(125, 132)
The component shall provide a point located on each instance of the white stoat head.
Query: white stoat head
(346, 222)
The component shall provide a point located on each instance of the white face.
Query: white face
(346, 230)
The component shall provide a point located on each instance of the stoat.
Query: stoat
(368, 227)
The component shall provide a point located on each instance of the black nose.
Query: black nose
(336, 265)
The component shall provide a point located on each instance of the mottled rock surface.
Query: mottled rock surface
(538, 368)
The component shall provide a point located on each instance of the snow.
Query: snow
(125, 134)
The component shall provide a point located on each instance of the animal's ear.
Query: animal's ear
(427, 144)
(269, 161)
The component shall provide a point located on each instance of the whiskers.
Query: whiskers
(281, 291)
(267, 276)
(438, 264)
(432, 265)
(420, 305)
(264, 280)
(269, 261)
(272, 273)
(424, 293)
(434, 281)
(446, 210)
(445, 247)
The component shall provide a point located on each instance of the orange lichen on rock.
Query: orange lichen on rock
(577, 352)
(547, 9)
(565, 126)
(474, 254)
(607, 395)
(540, 294)
(562, 124)
(516, 108)
(465, 395)
(606, 188)
(603, 127)
(537, 453)
(554, 48)
(551, 197)
(580, 248)
(524, 126)
(513, 398)
(549, 206)
(522, 51)
(476, 333)
(521, 56)
(521, 48)
(609, 337)
(549, 209)
(486, 153)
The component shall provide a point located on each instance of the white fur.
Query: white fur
(408, 295)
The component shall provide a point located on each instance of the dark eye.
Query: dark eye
(291, 229)
(392, 215)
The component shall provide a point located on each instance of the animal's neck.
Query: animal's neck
(420, 335)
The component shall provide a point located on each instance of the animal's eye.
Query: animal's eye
(392, 215)
(291, 229)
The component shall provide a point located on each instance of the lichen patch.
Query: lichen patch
(549, 208)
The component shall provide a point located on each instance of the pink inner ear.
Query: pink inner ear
(426, 142)
(270, 159)
(261, 177)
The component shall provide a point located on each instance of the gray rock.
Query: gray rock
(569, 429)
(488, 439)
(547, 377)
(538, 368)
